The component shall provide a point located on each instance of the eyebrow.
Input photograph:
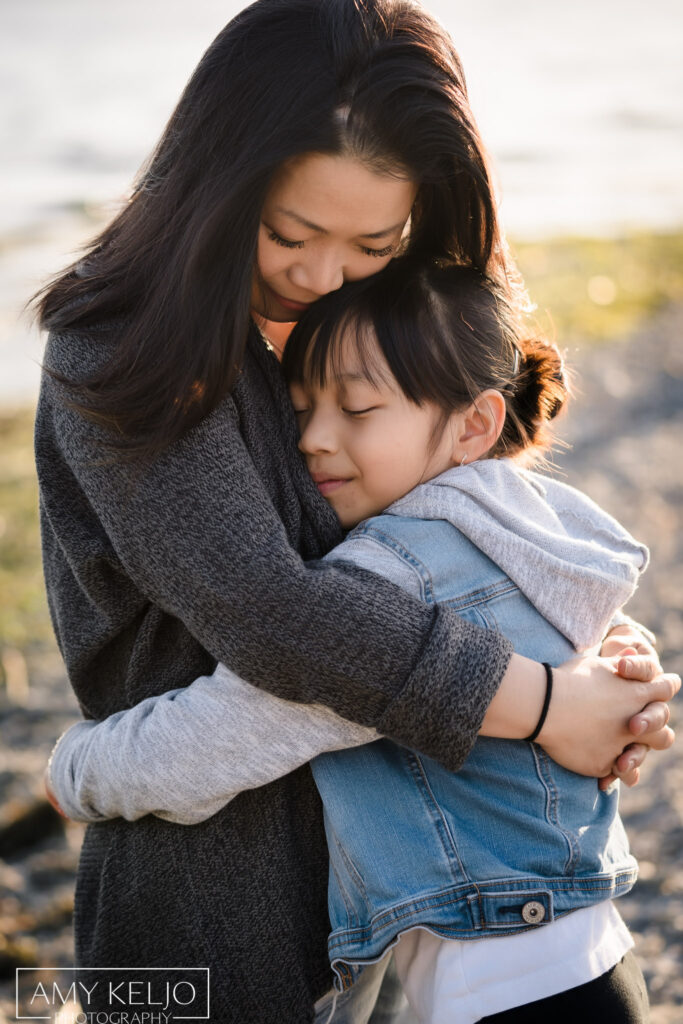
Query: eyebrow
(323, 231)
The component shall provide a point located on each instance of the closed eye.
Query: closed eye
(359, 412)
(386, 251)
(286, 242)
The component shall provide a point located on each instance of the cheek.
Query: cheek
(271, 259)
(396, 458)
(377, 458)
(263, 262)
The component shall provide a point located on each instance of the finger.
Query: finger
(606, 781)
(631, 757)
(660, 740)
(627, 766)
(631, 778)
(51, 796)
(662, 687)
(652, 718)
(643, 667)
(636, 642)
(618, 642)
(643, 647)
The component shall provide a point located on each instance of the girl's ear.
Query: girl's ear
(479, 426)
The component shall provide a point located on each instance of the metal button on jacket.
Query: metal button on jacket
(533, 912)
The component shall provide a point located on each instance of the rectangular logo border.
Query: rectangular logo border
(73, 969)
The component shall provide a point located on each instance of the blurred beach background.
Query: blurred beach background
(581, 107)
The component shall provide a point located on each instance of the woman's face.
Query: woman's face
(326, 220)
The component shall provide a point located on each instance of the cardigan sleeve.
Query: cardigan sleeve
(196, 533)
(185, 754)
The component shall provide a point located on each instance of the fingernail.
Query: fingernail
(642, 727)
(631, 763)
(628, 664)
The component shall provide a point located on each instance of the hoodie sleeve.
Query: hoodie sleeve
(184, 754)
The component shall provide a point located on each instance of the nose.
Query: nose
(318, 434)
(318, 272)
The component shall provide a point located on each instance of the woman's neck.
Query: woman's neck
(275, 333)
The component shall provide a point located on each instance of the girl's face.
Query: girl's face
(326, 220)
(365, 443)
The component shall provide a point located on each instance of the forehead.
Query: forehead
(345, 356)
(341, 195)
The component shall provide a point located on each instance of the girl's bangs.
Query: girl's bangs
(320, 355)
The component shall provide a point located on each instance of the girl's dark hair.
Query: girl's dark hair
(447, 333)
(376, 79)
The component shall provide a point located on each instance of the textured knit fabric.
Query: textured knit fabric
(155, 572)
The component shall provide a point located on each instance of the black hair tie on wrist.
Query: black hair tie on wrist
(546, 702)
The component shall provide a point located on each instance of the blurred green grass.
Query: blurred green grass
(24, 620)
(587, 291)
(590, 290)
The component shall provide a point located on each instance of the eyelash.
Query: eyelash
(279, 240)
(349, 412)
(289, 244)
(386, 251)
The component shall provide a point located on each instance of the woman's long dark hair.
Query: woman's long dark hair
(378, 80)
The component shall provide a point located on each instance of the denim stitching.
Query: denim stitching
(481, 595)
(351, 917)
(450, 848)
(420, 569)
(544, 771)
(385, 920)
(350, 866)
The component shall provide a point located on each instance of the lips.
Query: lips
(296, 307)
(326, 484)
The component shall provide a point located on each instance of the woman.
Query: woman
(177, 512)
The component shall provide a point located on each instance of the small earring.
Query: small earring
(463, 460)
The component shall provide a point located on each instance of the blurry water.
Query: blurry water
(580, 105)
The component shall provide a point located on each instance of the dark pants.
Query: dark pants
(617, 997)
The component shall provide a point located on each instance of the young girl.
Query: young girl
(418, 401)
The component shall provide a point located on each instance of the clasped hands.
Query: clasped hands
(609, 711)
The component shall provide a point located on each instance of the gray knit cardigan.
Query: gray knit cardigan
(209, 552)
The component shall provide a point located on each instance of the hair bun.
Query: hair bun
(543, 380)
(541, 389)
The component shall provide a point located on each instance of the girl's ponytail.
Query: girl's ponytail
(537, 394)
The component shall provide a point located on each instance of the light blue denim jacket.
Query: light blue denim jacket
(512, 840)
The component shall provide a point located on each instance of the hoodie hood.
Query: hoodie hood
(574, 562)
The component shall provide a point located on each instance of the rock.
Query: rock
(17, 953)
(28, 825)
